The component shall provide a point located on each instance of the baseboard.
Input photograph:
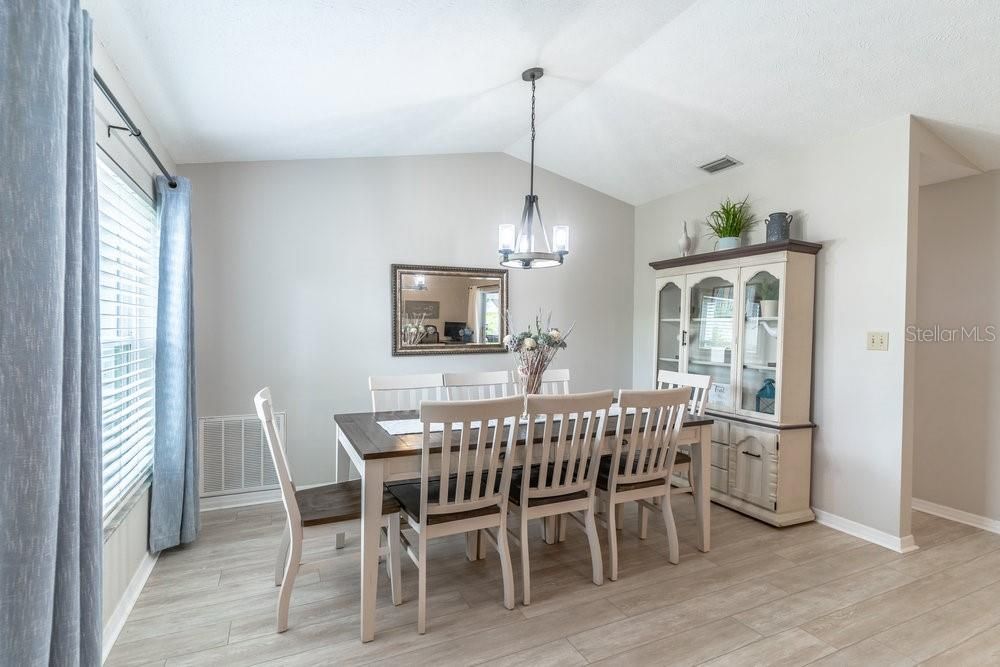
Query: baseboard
(900, 544)
(952, 514)
(228, 501)
(117, 621)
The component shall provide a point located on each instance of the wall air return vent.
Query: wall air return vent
(715, 166)
(235, 457)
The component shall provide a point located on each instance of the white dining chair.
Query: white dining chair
(643, 460)
(477, 386)
(473, 497)
(554, 381)
(327, 504)
(699, 386)
(560, 469)
(404, 392)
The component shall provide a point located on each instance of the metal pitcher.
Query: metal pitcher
(778, 225)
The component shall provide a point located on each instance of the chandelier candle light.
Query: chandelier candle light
(535, 350)
(517, 246)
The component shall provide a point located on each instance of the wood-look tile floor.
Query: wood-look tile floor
(762, 596)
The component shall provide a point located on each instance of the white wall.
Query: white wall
(956, 450)
(852, 195)
(291, 271)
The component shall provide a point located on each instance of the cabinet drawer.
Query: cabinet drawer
(720, 480)
(720, 432)
(720, 455)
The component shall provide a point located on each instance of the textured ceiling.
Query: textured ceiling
(637, 93)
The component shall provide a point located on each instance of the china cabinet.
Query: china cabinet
(745, 317)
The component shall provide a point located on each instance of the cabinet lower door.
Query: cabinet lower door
(753, 465)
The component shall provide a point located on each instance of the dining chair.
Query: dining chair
(474, 496)
(404, 392)
(327, 504)
(699, 386)
(473, 386)
(644, 459)
(554, 381)
(561, 483)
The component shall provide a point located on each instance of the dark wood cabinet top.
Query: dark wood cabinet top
(372, 441)
(790, 245)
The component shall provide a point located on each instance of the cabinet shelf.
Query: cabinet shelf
(695, 362)
(761, 367)
(676, 320)
(668, 359)
(761, 319)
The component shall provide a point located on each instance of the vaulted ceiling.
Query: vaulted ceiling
(636, 94)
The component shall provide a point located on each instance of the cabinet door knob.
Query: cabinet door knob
(746, 453)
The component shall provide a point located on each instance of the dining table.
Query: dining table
(366, 448)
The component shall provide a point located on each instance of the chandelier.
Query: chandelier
(518, 249)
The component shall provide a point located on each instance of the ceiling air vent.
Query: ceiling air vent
(715, 166)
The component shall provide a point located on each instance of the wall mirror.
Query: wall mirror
(448, 310)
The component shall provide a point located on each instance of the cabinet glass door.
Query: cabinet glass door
(761, 330)
(668, 328)
(711, 333)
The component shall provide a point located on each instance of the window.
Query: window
(129, 262)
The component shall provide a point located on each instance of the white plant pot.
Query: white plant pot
(728, 243)
(769, 308)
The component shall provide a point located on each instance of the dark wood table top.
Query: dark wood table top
(371, 441)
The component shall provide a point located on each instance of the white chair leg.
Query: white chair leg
(394, 562)
(596, 562)
(613, 539)
(422, 585)
(525, 564)
(643, 521)
(620, 515)
(562, 527)
(288, 581)
(506, 567)
(279, 565)
(668, 519)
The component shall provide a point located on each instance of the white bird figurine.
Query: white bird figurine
(684, 242)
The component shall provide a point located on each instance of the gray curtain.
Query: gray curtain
(174, 516)
(50, 411)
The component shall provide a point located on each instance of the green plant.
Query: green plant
(731, 219)
(768, 291)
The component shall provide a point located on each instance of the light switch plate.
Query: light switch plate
(878, 341)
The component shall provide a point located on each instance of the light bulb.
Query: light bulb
(506, 238)
(560, 238)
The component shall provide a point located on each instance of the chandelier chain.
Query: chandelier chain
(531, 189)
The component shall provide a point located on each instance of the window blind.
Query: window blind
(129, 263)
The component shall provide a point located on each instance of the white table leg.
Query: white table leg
(474, 545)
(342, 473)
(701, 461)
(372, 478)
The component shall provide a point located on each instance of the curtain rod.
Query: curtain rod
(132, 127)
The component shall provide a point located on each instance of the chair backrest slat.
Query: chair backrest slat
(699, 387)
(568, 453)
(648, 450)
(469, 425)
(404, 392)
(265, 412)
(477, 386)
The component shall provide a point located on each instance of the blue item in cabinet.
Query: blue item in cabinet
(765, 397)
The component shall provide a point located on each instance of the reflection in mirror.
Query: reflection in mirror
(441, 310)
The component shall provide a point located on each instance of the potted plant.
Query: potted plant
(768, 292)
(729, 222)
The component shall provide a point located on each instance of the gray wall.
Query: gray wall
(291, 264)
(956, 457)
(851, 194)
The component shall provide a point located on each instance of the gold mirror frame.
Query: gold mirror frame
(424, 349)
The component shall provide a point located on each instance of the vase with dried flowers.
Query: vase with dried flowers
(534, 350)
(413, 329)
